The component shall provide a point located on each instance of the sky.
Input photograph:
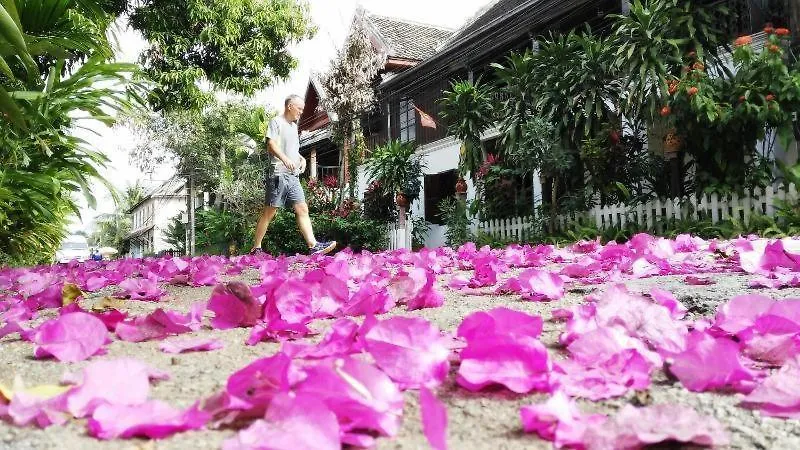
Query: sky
(332, 17)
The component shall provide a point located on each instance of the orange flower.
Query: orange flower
(672, 89)
(693, 90)
(743, 40)
(782, 32)
(774, 48)
(665, 111)
(770, 97)
(699, 66)
(768, 28)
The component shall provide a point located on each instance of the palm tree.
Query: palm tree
(54, 58)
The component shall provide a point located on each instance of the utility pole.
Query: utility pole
(190, 230)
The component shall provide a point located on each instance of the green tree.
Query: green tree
(234, 45)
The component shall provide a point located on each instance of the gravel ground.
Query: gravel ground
(486, 420)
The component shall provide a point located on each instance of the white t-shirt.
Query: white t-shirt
(284, 135)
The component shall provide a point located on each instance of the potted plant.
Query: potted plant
(397, 168)
(672, 143)
(461, 186)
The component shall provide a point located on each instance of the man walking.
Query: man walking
(283, 184)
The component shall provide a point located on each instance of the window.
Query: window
(407, 121)
(437, 188)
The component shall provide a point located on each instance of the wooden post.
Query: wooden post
(312, 164)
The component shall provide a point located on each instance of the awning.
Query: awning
(136, 233)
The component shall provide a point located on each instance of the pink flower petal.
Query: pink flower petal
(118, 382)
(695, 280)
(434, 419)
(25, 409)
(234, 305)
(541, 285)
(520, 364)
(141, 289)
(361, 395)
(257, 383)
(710, 363)
(779, 394)
(190, 345)
(154, 419)
(293, 422)
(156, 325)
(411, 351)
(639, 427)
(70, 338)
(499, 321)
(340, 341)
(623, 372)
(558, 420)
(741, 312)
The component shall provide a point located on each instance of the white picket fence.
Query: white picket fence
(399, 236)
(712, 207)
(510, 228)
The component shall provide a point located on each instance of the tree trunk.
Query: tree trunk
(793, 10)
(343, 168)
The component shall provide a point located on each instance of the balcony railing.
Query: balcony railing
(376, 140)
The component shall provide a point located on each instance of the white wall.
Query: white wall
(167, 209)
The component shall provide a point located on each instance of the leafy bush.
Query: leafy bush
(419, 232)
(379, 204)
(398, 169)
(454, 215)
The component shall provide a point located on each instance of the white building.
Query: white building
(152, 215)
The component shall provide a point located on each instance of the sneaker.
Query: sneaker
(256, 251)
(322, 248)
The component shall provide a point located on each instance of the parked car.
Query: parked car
(74, 247)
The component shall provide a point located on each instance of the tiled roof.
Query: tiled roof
(494, 10)
(409, 40)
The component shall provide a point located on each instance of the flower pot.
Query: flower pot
(672, 143)
(461, 186)
(401, 200)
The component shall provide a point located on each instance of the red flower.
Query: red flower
(614, 137)
(774, 48)
(768, 28)
(770, 97)
(782, 32)
(742, 99)
(699, 66)
(693, 90)
(743, 40)
(665, 111)
(491, 159)
(331, 181)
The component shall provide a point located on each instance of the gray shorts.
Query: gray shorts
(283, 190)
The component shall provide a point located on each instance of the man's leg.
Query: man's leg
(304, 223)
(267, 214)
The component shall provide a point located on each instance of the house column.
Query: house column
(312, 164)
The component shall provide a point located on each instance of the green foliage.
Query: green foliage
(222, 146)
(651, 42)
(468, 110)
(761, 95)
(379, 204)
(175, 235)
(218, 231)
(397, 168)
(454, 215)
(419, 232)
(239, 46)
(42, 166)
